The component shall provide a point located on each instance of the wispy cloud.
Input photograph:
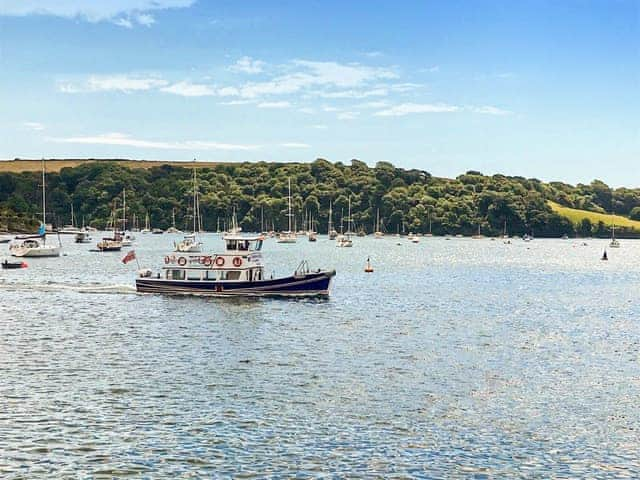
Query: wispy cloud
(410, 108)
(407, 108)
(348, 115)
(320, 127)
(295, 145)
(37, 126)
(490, 110)
(274, 104)
(306, 74)
(125, 13)
(373, 54)
(105, 83)
(247, 65)
(357, 94)
(188, 89)
(123, 139)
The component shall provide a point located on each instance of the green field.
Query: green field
(576, 216)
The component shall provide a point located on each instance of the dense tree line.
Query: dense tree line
(407, 200)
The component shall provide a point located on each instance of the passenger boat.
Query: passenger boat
(239, 271)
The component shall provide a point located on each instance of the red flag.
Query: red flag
(129, 256)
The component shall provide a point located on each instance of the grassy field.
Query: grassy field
(55, 165)
(576, 216)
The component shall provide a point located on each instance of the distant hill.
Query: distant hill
(577, 216)
(54, 165)
(408, 200)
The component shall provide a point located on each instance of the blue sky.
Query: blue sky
(533, 88)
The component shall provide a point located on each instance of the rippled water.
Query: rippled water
(456, 358)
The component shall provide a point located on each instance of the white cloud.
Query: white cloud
(237, 102)
(247, 65)
(407, 108)
(122, 139)
(121, 12)
(37, 126)
(373, 54)
(307, 110)
(489, 110)
(295, 145)
(348, 115)
(274, 105)
(188, 89)
(320, 127)
(376, 92)
(123, 22)
(307, 74)
(404, 87)
(330, 109)
(105, 83)
(373, 105)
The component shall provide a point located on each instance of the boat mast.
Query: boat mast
(330, 226)
(124, 209)
(289, 214)
(44, 199)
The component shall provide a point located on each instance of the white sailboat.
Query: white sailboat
(146, 228)
(290, 235)
(190, 243)
(378, 233)
(614, 243)
(70, 229)
(344, 240)
(36, 245)
(172, 228)
(331, 232)
(126, 238)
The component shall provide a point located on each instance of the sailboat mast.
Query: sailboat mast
(330, 226)
(44, 199)
(289, 215)
(124, 209)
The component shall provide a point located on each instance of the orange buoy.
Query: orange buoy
(368, 268)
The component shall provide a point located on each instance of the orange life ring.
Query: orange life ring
(167, 259)
(182, 261)
(206, 261)
(220, 261)
(237, 261)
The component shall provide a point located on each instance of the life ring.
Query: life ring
(167, 259)
(206, 261)
(237, 261)
(220, 261)
(182, 261)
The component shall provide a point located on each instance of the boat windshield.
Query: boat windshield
(243, 245)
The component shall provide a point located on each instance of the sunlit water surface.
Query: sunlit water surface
(455, 358)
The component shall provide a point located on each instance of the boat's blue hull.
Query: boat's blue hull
(312, 284)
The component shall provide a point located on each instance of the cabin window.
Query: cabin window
(258, 275)
(233, 275)
(231, 245)
(259, 245)
(175, 274)
(210, 275)
(193, 275)
(243, 245)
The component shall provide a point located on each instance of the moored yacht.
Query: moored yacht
(36, 245)
(239, 271)
(290, 235)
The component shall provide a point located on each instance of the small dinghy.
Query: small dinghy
(9, 265)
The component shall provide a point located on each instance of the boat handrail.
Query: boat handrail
(302, 268)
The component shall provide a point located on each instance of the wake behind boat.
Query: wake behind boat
(239, 271)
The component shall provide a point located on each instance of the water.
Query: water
(455, 358)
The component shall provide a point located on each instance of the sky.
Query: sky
(544, 89)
